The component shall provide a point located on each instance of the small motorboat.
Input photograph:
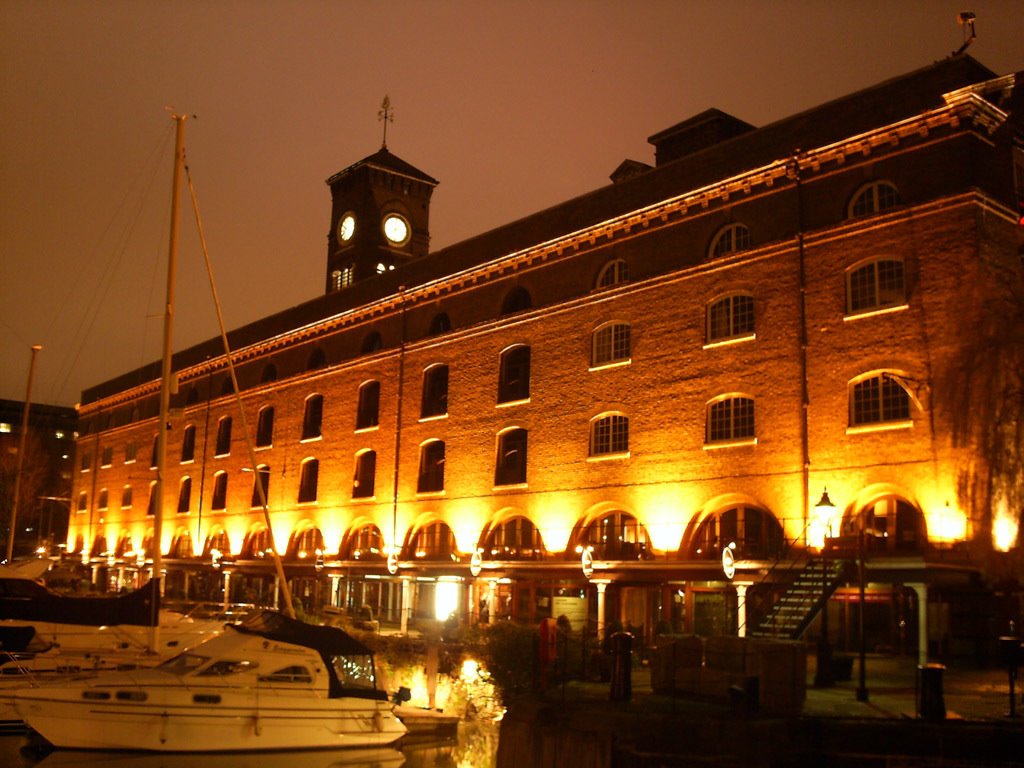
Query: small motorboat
(268, 683)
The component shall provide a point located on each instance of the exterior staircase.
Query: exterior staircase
(794, 611)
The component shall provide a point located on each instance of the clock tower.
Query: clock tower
(380, 217)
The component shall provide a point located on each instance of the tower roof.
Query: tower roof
(384, 160)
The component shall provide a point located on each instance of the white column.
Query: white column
(335, 588)
(406, 607)
(601, 587)
(921, 590)
(741, 609)
(227, 590)
(492, 602)
(277, 592)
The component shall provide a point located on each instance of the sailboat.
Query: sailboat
(271, 682)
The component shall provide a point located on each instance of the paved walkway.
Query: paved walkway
(893, 692)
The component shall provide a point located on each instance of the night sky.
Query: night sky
(513, 106)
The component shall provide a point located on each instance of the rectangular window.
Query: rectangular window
(514, 375)
(609, 435)
(730, 419)
(188, 444)
(730, 318)
(877, 285)
(220, 491)
(129, 452)
(126, 497)
(611, 344)
(364, 480)
(510, 467)
(308, 480)
(107, 457)
(265, 428)
(435, 392)
(312, 418)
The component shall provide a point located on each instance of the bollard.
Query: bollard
(1010, 655)
(930, 702)
(622, 666)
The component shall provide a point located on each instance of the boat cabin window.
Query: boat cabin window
(354, 671)
(295, 674)
(184, 663)
(228, 667)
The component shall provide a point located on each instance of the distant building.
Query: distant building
(628, 408)
(45, 474)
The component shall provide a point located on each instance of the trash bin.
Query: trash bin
(930, 703)
(622, 666)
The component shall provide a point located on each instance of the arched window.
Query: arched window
(341, 278)
(440, 324)
(874, 197)
(514, 374)
(371, 343)
(217, 541)
(730, 317)
(257, 544)
(431, 472)
(126, 497)
(368, 407)
(434, 541)
(103, 499)
(223, 436)
(510, 465)
(184, 495)
(365, 544)
(317, 359)
(611, 344)
(312, 417)
(308, 544)
(182, 548)
(365, 475)
(269, 373)
(188, 444)
(220, 491)
(731, 238)
(516, 300)
(308, 480)
(265, 427)
(878, 284)
(755, 532)
(261, 477)
(153, 499)
(612, 273)
(615, 536)
(879, 398)
(435, 392)
(83, 501)
(730, 418)
(514, 539)
(609, 434)
(894, 525)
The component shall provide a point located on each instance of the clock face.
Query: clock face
(346, 227)
(396, 229)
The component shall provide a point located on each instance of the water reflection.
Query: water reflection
(477, 747)
(354, 758)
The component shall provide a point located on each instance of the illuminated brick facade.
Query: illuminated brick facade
(685, 359)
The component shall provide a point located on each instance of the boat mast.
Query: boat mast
(21, 455)
(165, 381)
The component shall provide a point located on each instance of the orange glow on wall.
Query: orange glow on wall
(664, 515)
(1005, 527)
(947, 524)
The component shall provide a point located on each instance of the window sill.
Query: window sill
(363, 499)
(315, 439)
(874, 312)
(218, 456)
(609, 456)
(129, 461)
(509, 403)
(371, 428)
(307, 503)
(883, 426)
(730, 340)
(510, 487)
(264, 447)
(183, 462)
(429, 494)
(611, 364)
(739, 442)
(435, 417)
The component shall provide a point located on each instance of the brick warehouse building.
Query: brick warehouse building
(601, 408)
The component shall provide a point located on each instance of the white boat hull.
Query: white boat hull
(240, 721)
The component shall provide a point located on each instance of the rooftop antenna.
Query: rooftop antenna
(387, 115)
(966, 20)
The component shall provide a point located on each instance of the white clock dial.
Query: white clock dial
(396, 229)
(346, 227)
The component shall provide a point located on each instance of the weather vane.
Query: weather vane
(387, 115)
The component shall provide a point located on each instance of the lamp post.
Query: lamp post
(823, 675)
(862, 683)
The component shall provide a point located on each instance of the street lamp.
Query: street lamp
(824, 513)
